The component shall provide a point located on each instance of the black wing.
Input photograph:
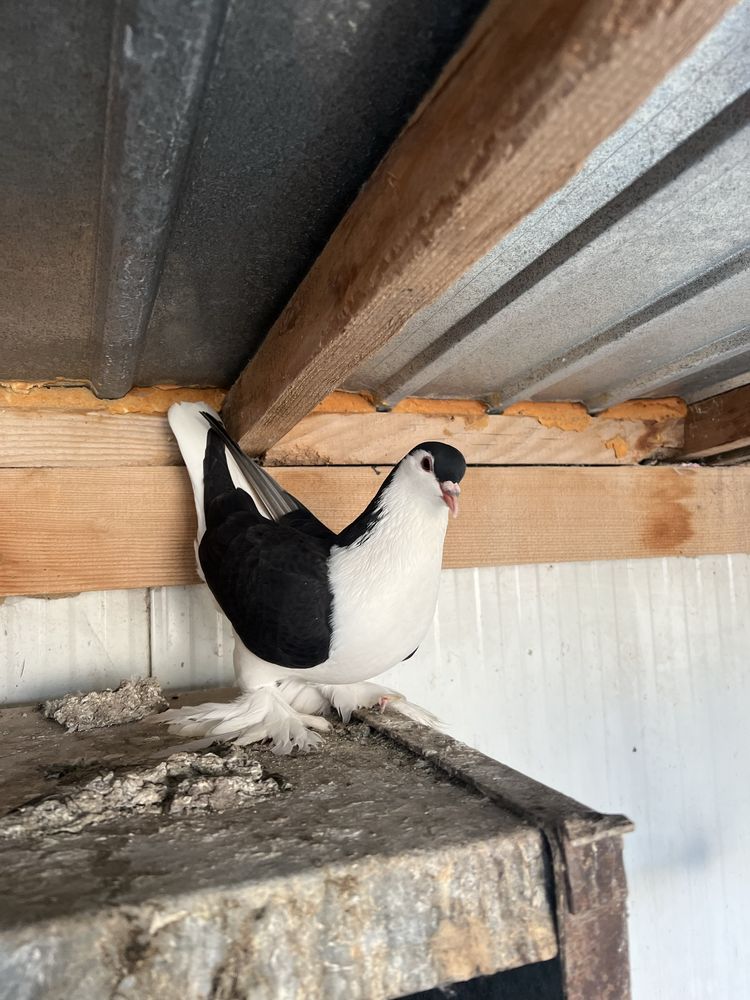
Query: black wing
(271, 581)
(269, 577)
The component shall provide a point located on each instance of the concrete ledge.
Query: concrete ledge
(363, 871)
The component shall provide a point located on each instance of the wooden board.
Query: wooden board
(68, 530)
(49, 438)
(531, 92)
(559, 433)
(566, 435)
(718, 424)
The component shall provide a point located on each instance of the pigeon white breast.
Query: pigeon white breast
(315, 614)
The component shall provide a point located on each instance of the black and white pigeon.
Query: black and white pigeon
(316, 615)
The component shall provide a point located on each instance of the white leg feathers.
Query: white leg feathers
(319, 699)
(345, 698)
(256, 716)
(288, 715)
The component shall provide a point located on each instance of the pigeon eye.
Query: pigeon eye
(427, 464)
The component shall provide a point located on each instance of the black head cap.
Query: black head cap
(449, 463)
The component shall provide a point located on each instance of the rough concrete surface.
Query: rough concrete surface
(366, 873)
(183, 784)
(131, 701)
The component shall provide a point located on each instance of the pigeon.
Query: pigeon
(315, 614)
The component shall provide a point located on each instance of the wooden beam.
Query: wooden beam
(65, 530)
(53, 439)
(718, 424)
(530, 434)
(532, 91)
(68, 530)
(527, 434)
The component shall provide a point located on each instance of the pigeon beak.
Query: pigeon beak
(450, 495)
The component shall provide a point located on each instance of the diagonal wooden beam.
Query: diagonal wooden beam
(532, 91)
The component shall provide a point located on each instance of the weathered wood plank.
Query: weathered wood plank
(555, 434)
(532, 91)
(538, 434)
(55, 439)
(65, 530)
(68, 530)
(718, 424)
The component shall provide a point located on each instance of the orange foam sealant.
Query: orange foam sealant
(669, 408)
(562, 416)
(152, 400)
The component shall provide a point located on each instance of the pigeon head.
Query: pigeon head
(435, 470)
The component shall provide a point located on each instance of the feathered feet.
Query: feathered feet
(319, 699)
(256, 716)
(288, 715)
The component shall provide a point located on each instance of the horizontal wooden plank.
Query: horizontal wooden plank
(535, 434)
(566, 435)
(68, 530)
(718, 424)
(63, 531)
(52, 439)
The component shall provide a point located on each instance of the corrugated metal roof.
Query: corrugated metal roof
(169, 171)
(632, 280)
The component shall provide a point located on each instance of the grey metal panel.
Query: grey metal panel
(138, 135)
(719, 367)
(302, 104)
(53, 82)
(607, 366)
(659, 205)
(160, 56)
(676, 343)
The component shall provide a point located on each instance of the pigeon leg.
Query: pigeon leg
(345, 698)
(257, 716)
(308, 700)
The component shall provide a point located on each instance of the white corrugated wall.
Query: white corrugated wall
(624, 684)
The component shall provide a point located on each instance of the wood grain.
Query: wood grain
(532, 91)
(68, 530)
(381, 438)
(718, 424)
(54, 439)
